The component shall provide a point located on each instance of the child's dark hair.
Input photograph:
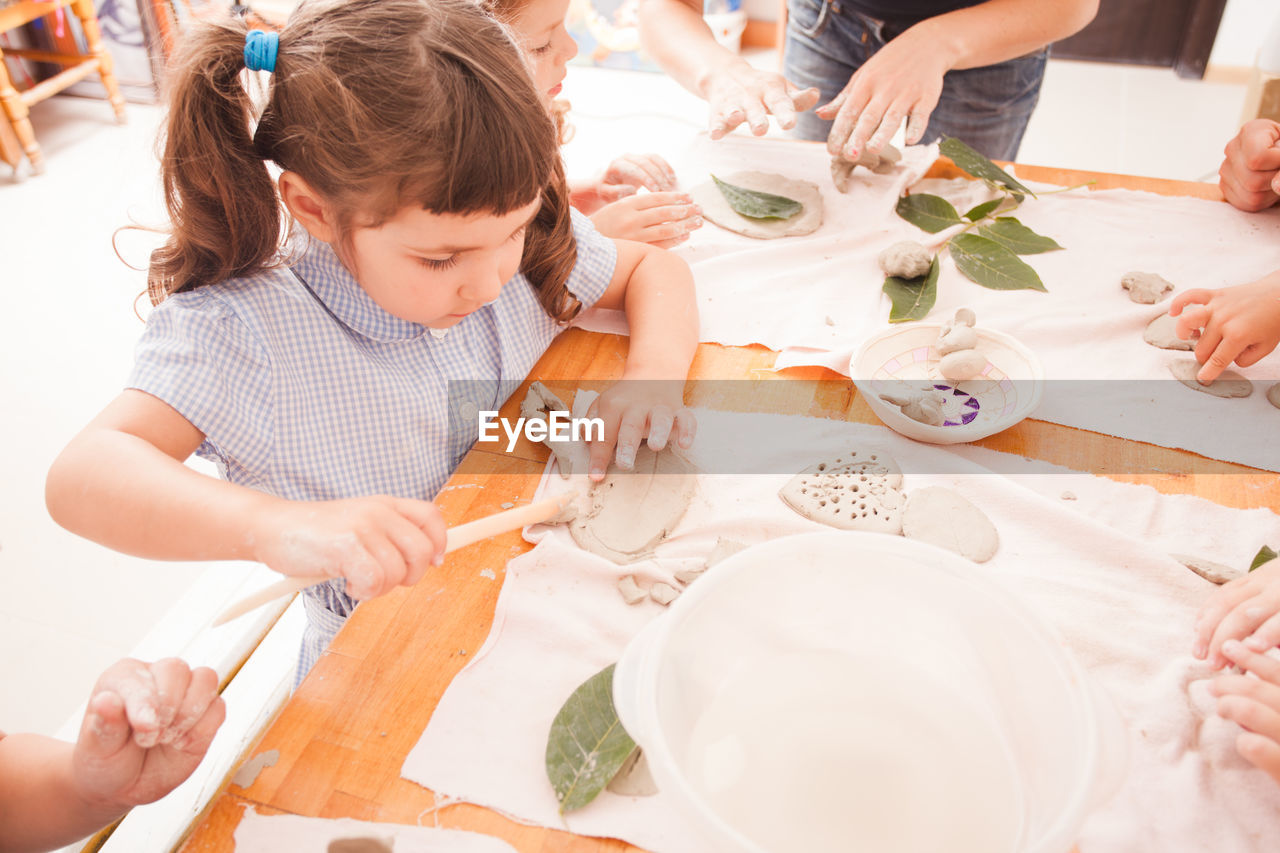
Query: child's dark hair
(377, 104)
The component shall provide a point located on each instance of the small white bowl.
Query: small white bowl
(1008, 389)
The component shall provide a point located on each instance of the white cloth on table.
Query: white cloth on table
(1097, 568)
(259, 833)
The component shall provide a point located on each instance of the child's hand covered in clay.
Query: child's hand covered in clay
(376, 543)
(638, 411)
(1252, 699)
(1240, 324)
(146, 728)
(1246, 609)
(1250, 175)
(664, 219)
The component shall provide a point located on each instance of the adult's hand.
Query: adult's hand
(1248, 176)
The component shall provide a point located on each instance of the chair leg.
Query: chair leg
(84, 10)
(16, 111)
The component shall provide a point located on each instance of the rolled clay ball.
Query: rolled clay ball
(905, 259)
(964, 364)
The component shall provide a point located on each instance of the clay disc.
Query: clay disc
(633, 511)
(717, 209)
(1273, 395)
(855, 491)
(941, 517)
(1228, 384)
(1160, 333)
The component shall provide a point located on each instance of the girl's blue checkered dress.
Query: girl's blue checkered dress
(306, 389)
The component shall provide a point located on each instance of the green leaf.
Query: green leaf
(992, 265)
(930, 213)
(757, 205)
(978, 166)
(983, 209)
(1016, 237)
(1266, 555)
(912, 298)
(587, 744)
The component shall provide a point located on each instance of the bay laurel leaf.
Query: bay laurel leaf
(754, 204)
(927, 212)
(991, 265)
(1264, 555)
(978, 165)
(912, 298)
(1017, 238)
(587, 744)
(982, 210)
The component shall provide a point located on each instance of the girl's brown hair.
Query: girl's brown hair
(377, 104)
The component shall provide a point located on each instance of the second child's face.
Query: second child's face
(539, 26)
(434, 269)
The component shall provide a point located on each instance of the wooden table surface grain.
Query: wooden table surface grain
(343, 736)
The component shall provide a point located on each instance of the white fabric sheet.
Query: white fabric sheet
(258, 833)
(1096, 568)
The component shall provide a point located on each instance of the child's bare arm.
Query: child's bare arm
(656, 290)
(145, 730)
(121, 482)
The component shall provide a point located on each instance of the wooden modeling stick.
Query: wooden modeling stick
(458, 537)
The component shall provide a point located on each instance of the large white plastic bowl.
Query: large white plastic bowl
(980, 666)
(1008, 390)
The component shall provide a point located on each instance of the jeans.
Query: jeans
(987, 108)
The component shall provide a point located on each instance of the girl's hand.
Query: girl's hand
(146, 729)
(1250, 175)
(664, 219)
(376, 543)
(634, 411)
(1247, 609)
(902, 80)
(1253, 703)
(624, 177)
(1240, 324)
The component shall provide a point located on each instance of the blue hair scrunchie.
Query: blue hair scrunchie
(260, 48)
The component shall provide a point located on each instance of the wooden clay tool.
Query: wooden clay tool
(458, 537)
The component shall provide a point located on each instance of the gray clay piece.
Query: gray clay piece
(633, 778)
(962, 364)
(631, 591)
(905, 259)
(1146, 288)
(941, 517)
(663, 593)
(631, 512)
(922, 405)
(1273, 395)
(1160, 333)
(1228, 384)
(881, 163)
(1209, 570)
(855, 491)
(718, 210)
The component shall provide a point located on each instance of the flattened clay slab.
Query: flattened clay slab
(1273, 395)
(856, 491)
(632, 512)
(1228, 384)
(716, 208)
(1209, 570)
(1145, 287)
(941, 517)
(1160, 333)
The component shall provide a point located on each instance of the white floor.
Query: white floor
(67, 325)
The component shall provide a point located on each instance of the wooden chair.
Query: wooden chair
(77, 66)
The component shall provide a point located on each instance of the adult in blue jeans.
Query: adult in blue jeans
(960, 68)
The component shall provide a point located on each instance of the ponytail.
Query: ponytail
(222, 204)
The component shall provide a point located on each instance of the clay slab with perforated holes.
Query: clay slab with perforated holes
(855, 491)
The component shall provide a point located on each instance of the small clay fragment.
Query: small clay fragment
(1209, 570)
(360, 845)
(905, 259)
(688, 576)
(663, 593)
(1145, 287)
(1228, 384)
(857, 491)
(631, 591)
(1161, 332)
(881, 163)
(633, 778)
(1273, 395)
(1068, 495)
(924, 406)
(962, 364)
(941, 517)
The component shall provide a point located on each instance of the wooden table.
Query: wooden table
(344, 734)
